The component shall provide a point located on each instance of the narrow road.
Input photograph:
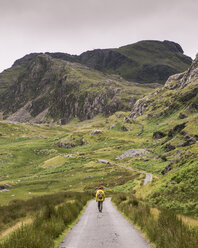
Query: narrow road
(108, 229)
(148, 178)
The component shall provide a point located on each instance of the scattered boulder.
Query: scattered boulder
(87, 178)
(190, 140)
(125, 129)
(133, 153)
(127, 120)
(112, 126)
(194, 106)
(158, 135)
(167, 169)
(119, 115)
(103, 161)
(178, 128)
(64, 144)
(96, 132)
(182, 116)
(168, 147)
(183, 133)
(170, 183)
(83, 141)
(68, 155)
(4, 186)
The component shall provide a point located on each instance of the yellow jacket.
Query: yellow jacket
(100, 191)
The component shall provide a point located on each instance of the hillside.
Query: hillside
(143, 62)
(40, 88)
(170, 116)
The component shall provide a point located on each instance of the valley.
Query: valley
(66, 129)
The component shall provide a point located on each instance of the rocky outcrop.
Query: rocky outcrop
(179, 90)
(124, 128)
(4, 186)
(185, 78)
(176, 129)
(182, 116)
(64, 144)
(168, 147)
(96, 132)
(133, 153)
(54, 90)
(158, 135)
(167, 169)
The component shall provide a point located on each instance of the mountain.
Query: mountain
(56, 87)
(40, 88)
(147, 61)
(143, 62)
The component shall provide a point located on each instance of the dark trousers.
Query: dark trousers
(100, 205)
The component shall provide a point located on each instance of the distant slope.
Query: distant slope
(144, 61)
(39, 88)
(147, 61)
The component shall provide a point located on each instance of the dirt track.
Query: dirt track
(108, 229)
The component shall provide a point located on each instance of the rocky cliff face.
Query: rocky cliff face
(53, 90)
(179, 92)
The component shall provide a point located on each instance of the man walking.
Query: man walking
(100, 197)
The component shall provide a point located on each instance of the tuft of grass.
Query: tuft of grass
(163, 228)
(50, 221)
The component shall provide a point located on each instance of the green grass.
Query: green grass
(52, 215)
(164, 230)
(33, 164)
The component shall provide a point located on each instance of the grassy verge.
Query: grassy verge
(50, 221)
(164, 229)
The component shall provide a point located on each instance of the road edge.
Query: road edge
(62, 236)
(144, 235)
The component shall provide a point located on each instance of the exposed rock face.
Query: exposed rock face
(125, 129)
(56, 87)
(188, 141)
(105, 59)
(95, 132)
(158, 135)
(133, 153)
(64, 144)
(182, 116)
(54, 90)
(4, 186)
(181, 89)
(167, 169)
(168, 147)
(176, 129)
(185, 78)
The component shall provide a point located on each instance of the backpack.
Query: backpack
(100, 196)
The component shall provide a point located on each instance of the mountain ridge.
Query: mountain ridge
(148, 61)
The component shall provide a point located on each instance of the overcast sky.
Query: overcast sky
(75, 26)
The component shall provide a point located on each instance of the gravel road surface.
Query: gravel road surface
(108, 229)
